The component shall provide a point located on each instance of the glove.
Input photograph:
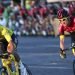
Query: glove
(62, 53)
(5, 56)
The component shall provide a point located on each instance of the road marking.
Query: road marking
(40, 46)
(40, 54)
(50, 67)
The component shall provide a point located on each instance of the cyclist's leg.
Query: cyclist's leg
(73, 48)
(73, 42)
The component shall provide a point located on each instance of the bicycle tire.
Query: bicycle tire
(3, 71)
(74, 67)
(27, 69)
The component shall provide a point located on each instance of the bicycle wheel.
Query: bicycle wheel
(27, 69)
(74, 67)
(3, 71)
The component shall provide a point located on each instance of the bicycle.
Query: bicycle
(73, 62)
(13, 70)
(73, 49)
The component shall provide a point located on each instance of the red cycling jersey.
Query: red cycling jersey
(70, 28)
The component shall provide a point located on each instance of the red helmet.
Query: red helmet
(62, 13)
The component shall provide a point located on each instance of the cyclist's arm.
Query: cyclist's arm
(10, 46)
(61, 36)
(62, 41)
(7, 36)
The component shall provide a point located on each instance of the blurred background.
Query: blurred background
(33, 17)
(39, 18)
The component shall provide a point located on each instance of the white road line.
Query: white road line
(50, 67)
(46, 45)
(40, 46)
(50, 54)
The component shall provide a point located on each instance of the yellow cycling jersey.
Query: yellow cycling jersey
(5, 33)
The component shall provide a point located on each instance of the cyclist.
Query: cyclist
(67, 23)
(8, 43)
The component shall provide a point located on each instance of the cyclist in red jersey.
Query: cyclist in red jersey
(67, 23)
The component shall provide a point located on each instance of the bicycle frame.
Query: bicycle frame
(68, 48)
(7, 63)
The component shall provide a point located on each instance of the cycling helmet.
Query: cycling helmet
(62, 13)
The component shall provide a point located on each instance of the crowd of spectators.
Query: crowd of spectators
(33, 20)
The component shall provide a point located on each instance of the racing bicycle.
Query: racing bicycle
(73, 50)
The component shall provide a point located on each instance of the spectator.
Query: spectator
(1, 9)
(14, 24)
(2, 20)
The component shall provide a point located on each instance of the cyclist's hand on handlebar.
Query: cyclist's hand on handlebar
(62, 53)
(6, 55)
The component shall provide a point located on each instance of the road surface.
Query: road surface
(41, 54)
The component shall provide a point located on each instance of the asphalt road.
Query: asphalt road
(41, 54)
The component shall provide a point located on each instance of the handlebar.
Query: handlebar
(5, 55)
(68, 48)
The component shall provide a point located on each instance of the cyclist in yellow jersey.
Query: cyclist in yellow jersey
(8, 42)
